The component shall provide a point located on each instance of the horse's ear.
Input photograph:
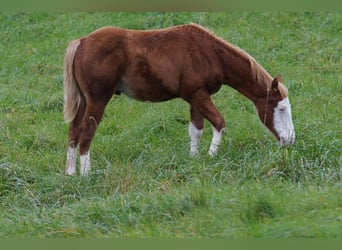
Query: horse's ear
(275, 83)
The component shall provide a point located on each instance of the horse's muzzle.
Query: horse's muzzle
(287, 141)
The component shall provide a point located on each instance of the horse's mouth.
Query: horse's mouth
(287, 141)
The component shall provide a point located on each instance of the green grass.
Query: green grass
(143, 183)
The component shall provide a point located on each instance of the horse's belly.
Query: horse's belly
(154, 91)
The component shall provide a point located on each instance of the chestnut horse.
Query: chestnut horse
(185, 61)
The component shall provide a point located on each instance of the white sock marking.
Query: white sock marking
(215, 142)
(195, 136)
(85, 163)
(70, 168)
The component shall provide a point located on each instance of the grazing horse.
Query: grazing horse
(185, 61)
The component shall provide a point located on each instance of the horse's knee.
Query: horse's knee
(219, 124)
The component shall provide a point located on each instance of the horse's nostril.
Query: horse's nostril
(293, 138)
(282, 139)
(286, 141)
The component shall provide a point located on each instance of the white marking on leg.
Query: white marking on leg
(195, 136)
(85, 163)
(70, 168)
(215, 142)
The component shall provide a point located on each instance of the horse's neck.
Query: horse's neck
(244, 74)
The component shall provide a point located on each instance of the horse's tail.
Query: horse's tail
(72, 94)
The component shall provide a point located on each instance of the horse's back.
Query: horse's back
(150, 65)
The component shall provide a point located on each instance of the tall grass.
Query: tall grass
(143, 183)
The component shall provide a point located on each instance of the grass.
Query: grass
(143, 183)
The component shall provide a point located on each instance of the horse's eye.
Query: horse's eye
(282, 109)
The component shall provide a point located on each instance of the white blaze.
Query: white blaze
(282, 122)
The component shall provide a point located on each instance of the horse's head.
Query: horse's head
(274, 111)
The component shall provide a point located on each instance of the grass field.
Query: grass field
(143, 183)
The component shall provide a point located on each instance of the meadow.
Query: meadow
(143, 183)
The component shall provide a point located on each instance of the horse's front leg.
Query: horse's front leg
(195, 130)
(202, 103)
(215, 142)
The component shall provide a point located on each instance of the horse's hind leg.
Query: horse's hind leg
(91, 119)
(70, 168)
(74, 131)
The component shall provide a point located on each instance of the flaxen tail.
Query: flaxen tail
(72, 94)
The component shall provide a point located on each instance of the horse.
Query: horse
(185, 61)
